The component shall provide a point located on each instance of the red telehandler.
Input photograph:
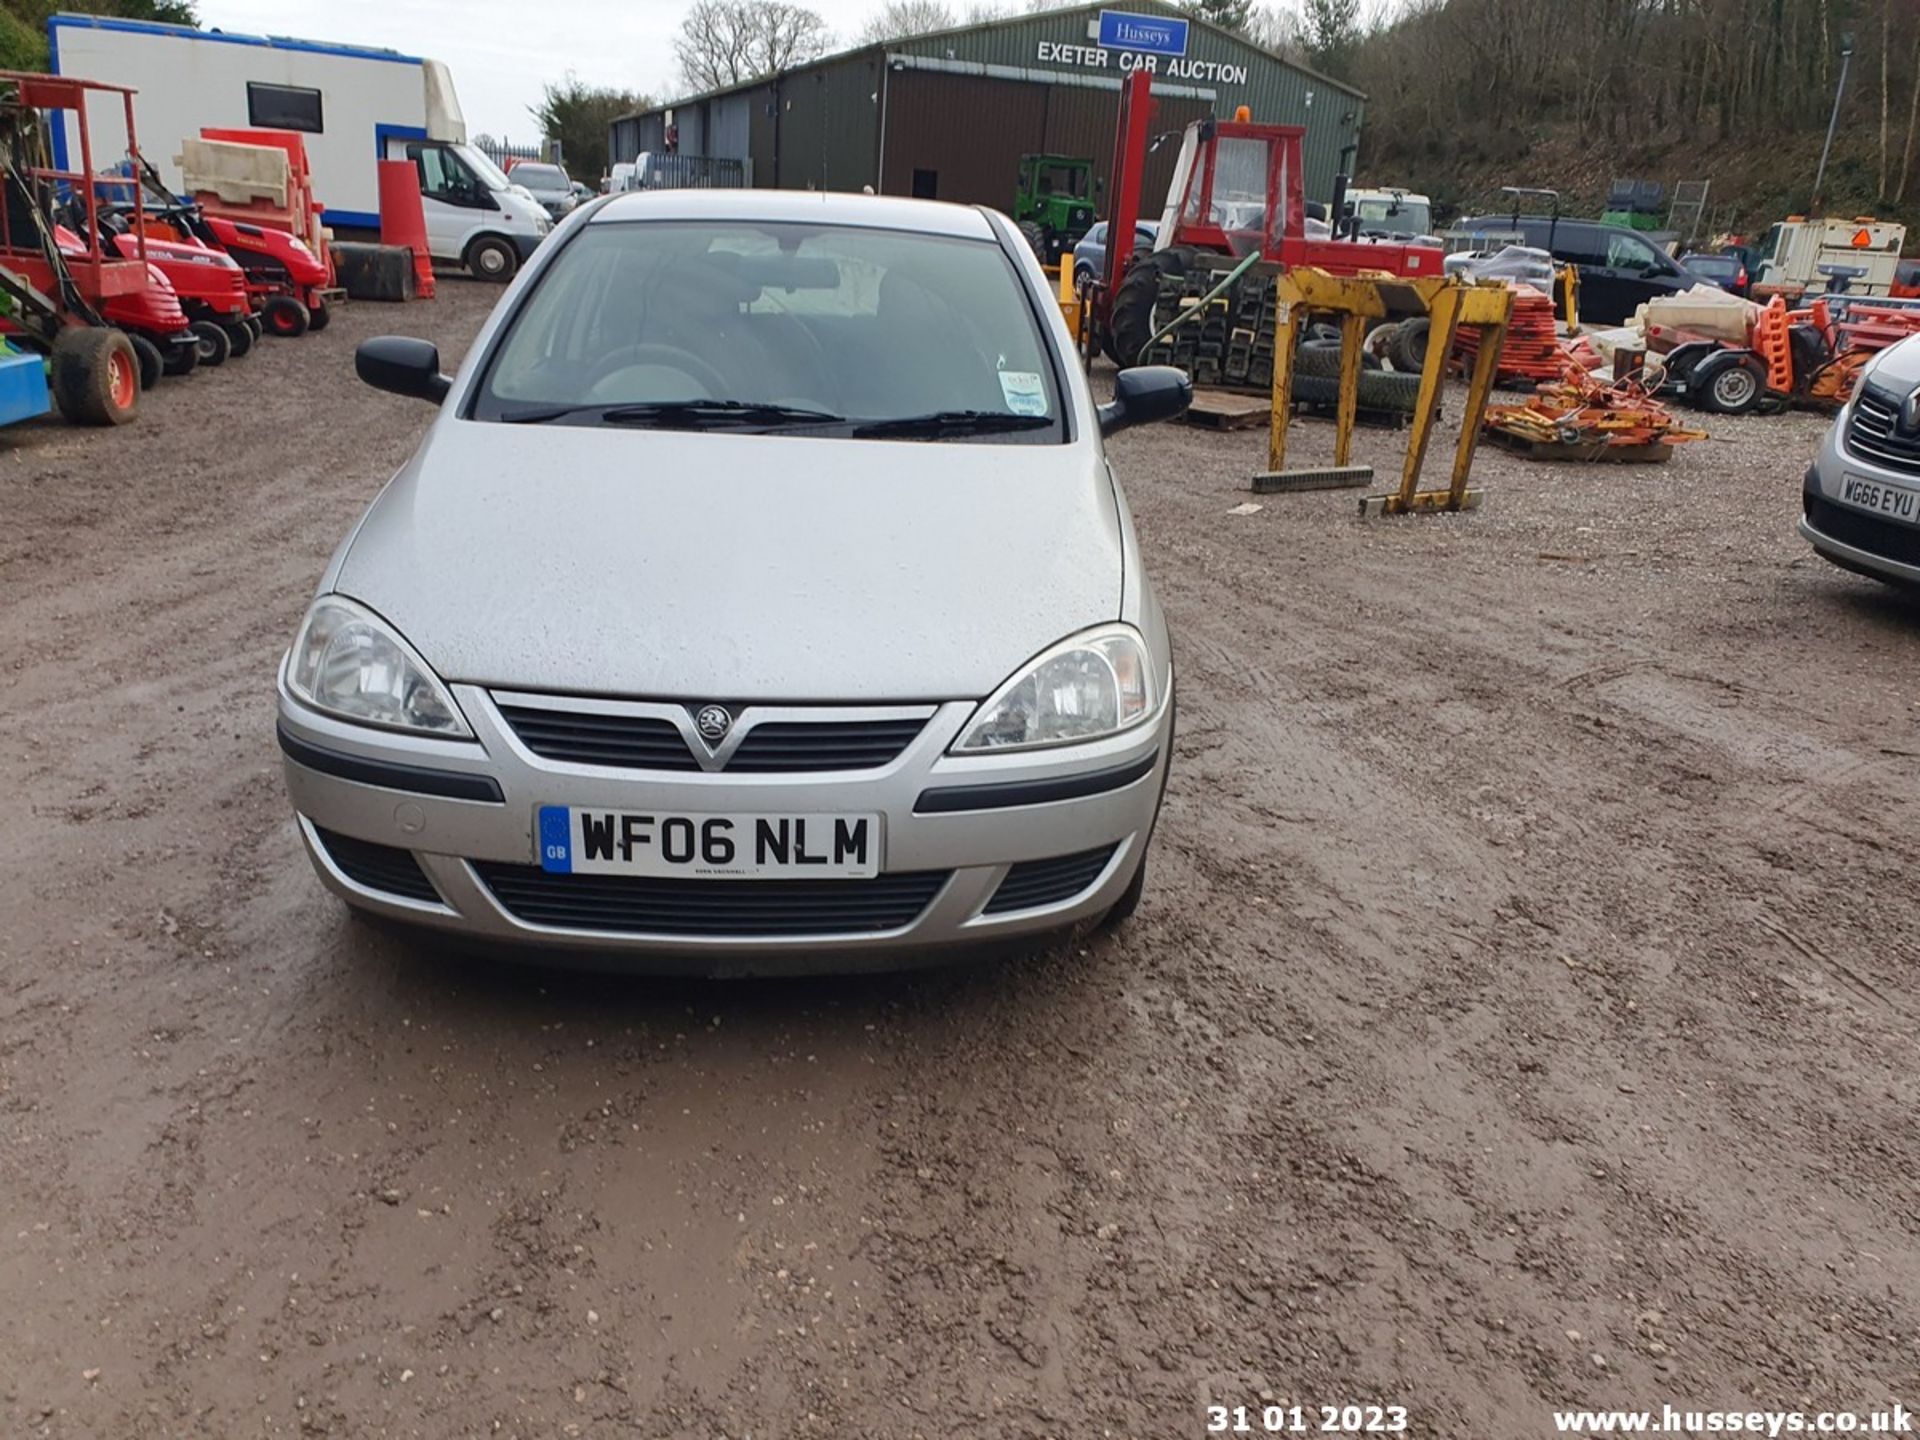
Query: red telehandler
(1235, 215)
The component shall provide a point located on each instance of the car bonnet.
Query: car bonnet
(742, 567)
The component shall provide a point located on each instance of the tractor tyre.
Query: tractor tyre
(240, 338)
(1319, 359)
(1322, 358)
(152, 365)
(96, 376)
(212, 341)
(1036, 239)
(318, 316)
(1379, 390)
(287, 317)
(1135, 301)
(258, 327)
(1729, 383)
(491, 258)
(1408, 347)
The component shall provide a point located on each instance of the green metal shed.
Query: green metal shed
(949, 114)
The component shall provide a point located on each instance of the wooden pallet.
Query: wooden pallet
(1225, 410)
(1595, 452)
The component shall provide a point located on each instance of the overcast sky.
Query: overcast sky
(501, 51)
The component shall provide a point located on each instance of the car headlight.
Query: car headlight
(1089, 686)
(349, 662)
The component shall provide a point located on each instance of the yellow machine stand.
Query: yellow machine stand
(1448, 302)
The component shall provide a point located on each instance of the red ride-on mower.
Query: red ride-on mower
(152, 316)
(284, 280)
(212, 291)
(217, 289)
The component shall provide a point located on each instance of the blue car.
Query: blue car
(1090, 255)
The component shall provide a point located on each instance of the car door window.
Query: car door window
(1629, 252)
(444, 176)
(1098, 235)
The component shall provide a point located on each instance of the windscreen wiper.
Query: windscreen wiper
(679, 414)
(948, 422)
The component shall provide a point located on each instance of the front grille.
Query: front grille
(1033, 883)
(635, 742)
(1864, 532)
(642, 742)
(378, 867)
(786, 745)
(716, 908)
(1873, 435)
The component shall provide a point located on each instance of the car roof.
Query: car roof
(819, 207)
(1497, 217)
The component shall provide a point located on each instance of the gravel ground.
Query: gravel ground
(1520, 1014)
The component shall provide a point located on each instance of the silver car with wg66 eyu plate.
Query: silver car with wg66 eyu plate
(1861, 498)
(760, 599)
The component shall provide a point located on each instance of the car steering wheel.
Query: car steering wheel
(670, 357)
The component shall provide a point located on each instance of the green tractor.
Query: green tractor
(1054, 204)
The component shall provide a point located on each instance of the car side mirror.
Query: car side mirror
(1145, 394)
(402, 365)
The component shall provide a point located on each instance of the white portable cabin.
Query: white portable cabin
(345, 100)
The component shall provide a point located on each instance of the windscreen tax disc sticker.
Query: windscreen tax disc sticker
(1023, 392)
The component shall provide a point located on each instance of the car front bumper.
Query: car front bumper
(1877, 546)
(466, 813)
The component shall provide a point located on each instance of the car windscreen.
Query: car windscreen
(799, 328)
(1397, 217)
(539, 177)
(490, 174)
(1720, 267)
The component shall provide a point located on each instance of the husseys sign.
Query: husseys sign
(1154, 43)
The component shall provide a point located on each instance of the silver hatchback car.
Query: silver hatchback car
(1861, 501)
(761, 599)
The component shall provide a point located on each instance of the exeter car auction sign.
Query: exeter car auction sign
(1154, 43)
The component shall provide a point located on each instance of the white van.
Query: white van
(349, 103)
(475, 214)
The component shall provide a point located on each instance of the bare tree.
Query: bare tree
(723, 42)
(1276, 28)
(1235, 15)
(898, 18)
(1913, 121)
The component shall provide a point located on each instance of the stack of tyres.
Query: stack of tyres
(1231, 346)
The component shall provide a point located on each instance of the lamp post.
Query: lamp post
(1833, 120)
